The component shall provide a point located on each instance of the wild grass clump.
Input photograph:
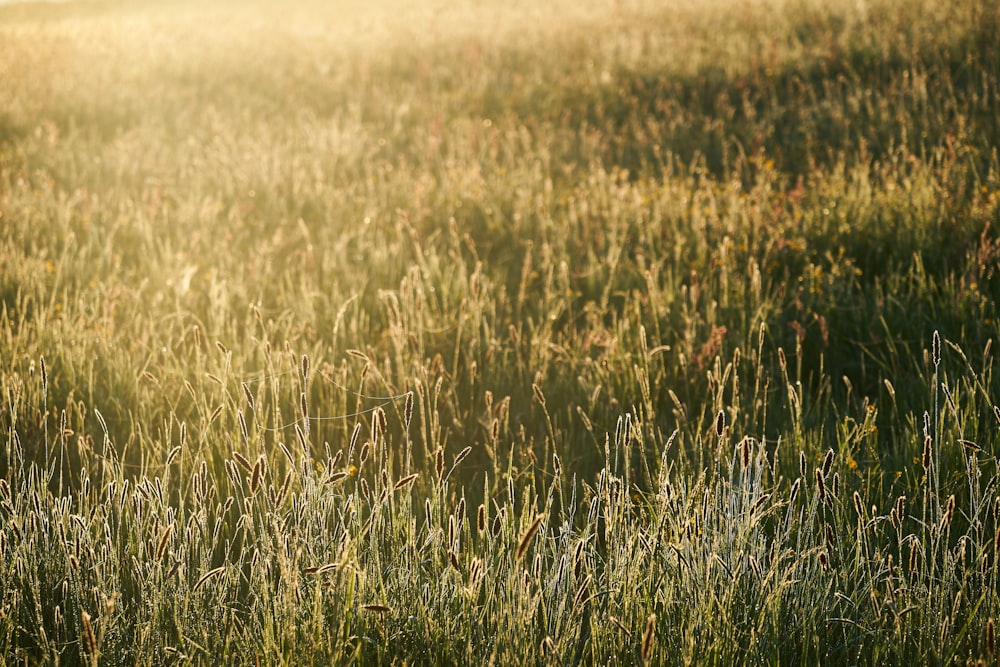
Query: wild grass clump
(639, 334)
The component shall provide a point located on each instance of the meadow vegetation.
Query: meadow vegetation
(483, 332)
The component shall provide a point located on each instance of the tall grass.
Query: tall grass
(589, 333)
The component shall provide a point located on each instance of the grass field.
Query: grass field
(482, 332)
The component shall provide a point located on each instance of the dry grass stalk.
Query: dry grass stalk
(621, 626)
(539, 396)
(461, 456)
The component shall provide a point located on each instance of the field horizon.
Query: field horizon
(476, 332)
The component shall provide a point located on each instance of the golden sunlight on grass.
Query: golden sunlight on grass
(490, 332)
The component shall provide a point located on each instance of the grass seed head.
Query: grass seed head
(408, 409)
(828, 463)
(648, 637)
(376, 608)
(249, 396)
(161, 547)
(821, 484)
(529, 535)
(89, 637)
(461, 456)
(949, 512)
(365, 450)
(405, 481)
(859, 505)
(243, 461)
(498, 523)
(439, 463)
(208, 576)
